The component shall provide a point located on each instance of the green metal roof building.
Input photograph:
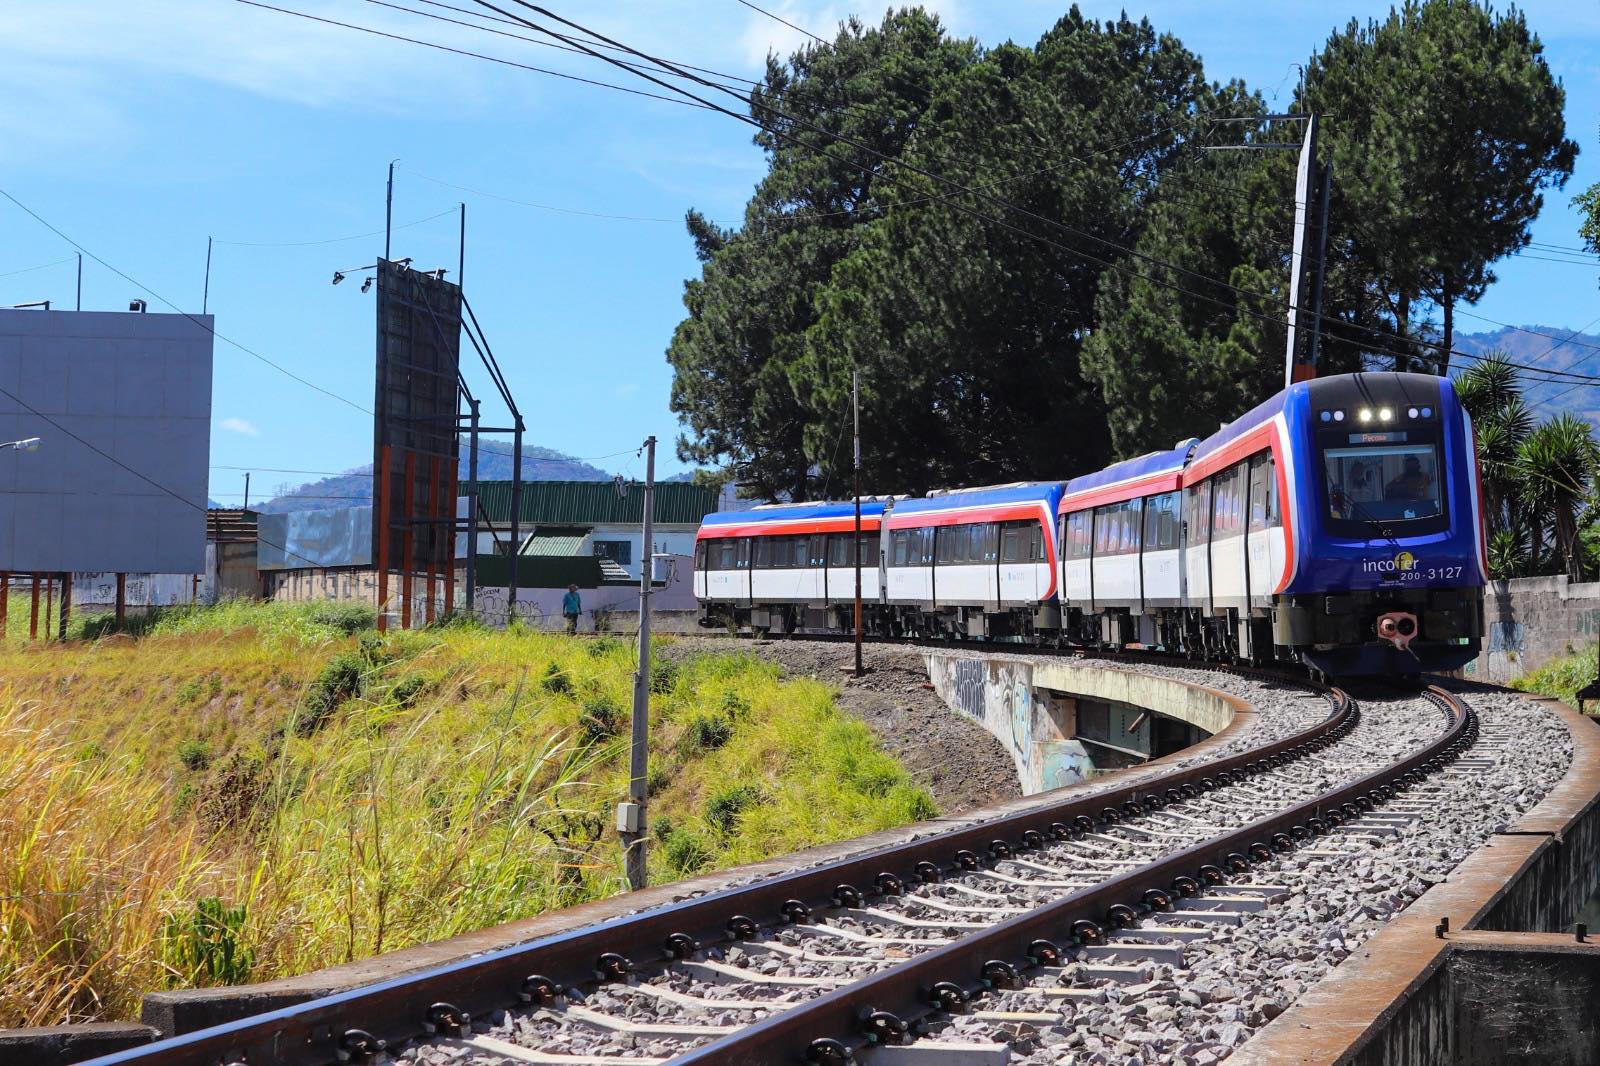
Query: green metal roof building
(588, 525)
(594, 503)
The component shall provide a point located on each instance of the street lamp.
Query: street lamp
(26, 444)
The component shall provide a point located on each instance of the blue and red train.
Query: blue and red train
(1339, 524)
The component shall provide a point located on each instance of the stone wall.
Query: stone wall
(1531, 620)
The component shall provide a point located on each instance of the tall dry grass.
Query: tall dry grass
(261, 791)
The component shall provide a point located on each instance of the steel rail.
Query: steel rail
(356, 1024)
(895, 1005)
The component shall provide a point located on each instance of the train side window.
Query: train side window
(1035, 531)
(1270, 475)
(838, 549)
(945, 544)
(761, 553)
(1260, 505)
(1011, 544)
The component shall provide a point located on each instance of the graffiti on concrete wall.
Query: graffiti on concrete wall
(999, 696)
(1507, 636)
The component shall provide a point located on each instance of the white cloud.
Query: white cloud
(239, 425)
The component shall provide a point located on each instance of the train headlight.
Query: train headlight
(1365, 414)
(1385, 414)
(1427, 412)
(1327, 416)
(1338, 416)
(1411, 412)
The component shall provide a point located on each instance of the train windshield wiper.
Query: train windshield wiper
(1361, 514)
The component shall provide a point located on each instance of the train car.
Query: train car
(972, 563)
(961, 562)
(786, 568)
(1339, 523)
(1121, 558)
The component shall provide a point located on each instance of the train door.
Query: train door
(741, 567)
(1197, 549)
(1263, 520)
(1228, 521)
(984, 556)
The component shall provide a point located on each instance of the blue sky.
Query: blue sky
(142, 129)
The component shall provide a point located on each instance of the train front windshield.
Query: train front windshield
(1388, 481)
(1382, 482)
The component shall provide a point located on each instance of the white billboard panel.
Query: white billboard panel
(121, 403)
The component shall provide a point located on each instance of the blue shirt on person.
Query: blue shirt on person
(571, 604)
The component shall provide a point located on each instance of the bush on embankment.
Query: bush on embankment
(1560, 678)
(263, 790)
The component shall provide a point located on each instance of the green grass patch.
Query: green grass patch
(253, 791)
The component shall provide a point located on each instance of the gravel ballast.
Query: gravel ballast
(1265, 941)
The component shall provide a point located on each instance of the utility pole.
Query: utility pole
(205, 295)
(80, 273)
(388, 210)
(247, 490)
(631, 815)
(855, 403)
(472, 513)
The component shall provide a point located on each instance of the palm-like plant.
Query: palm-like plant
(1556, 465)
(1492, 394)
(1508, 555)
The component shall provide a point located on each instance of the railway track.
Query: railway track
(940, 934)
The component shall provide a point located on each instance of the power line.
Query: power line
(41, 266)
(502, 33)
(329, 240)
(670, 68)
(1004, 205)
(786, 22)
(192, 318)
(458, 51)
(202, 508)
(284, 470)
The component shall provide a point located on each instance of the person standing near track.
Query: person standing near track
(571, 607)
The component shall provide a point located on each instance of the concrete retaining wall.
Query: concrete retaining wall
(1020, 702)
(1476, 994)
(1531, 620)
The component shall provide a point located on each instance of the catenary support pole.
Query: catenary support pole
(247, 490)
(205, 294)
(631, 816)
(855, 546)
(80, 271)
